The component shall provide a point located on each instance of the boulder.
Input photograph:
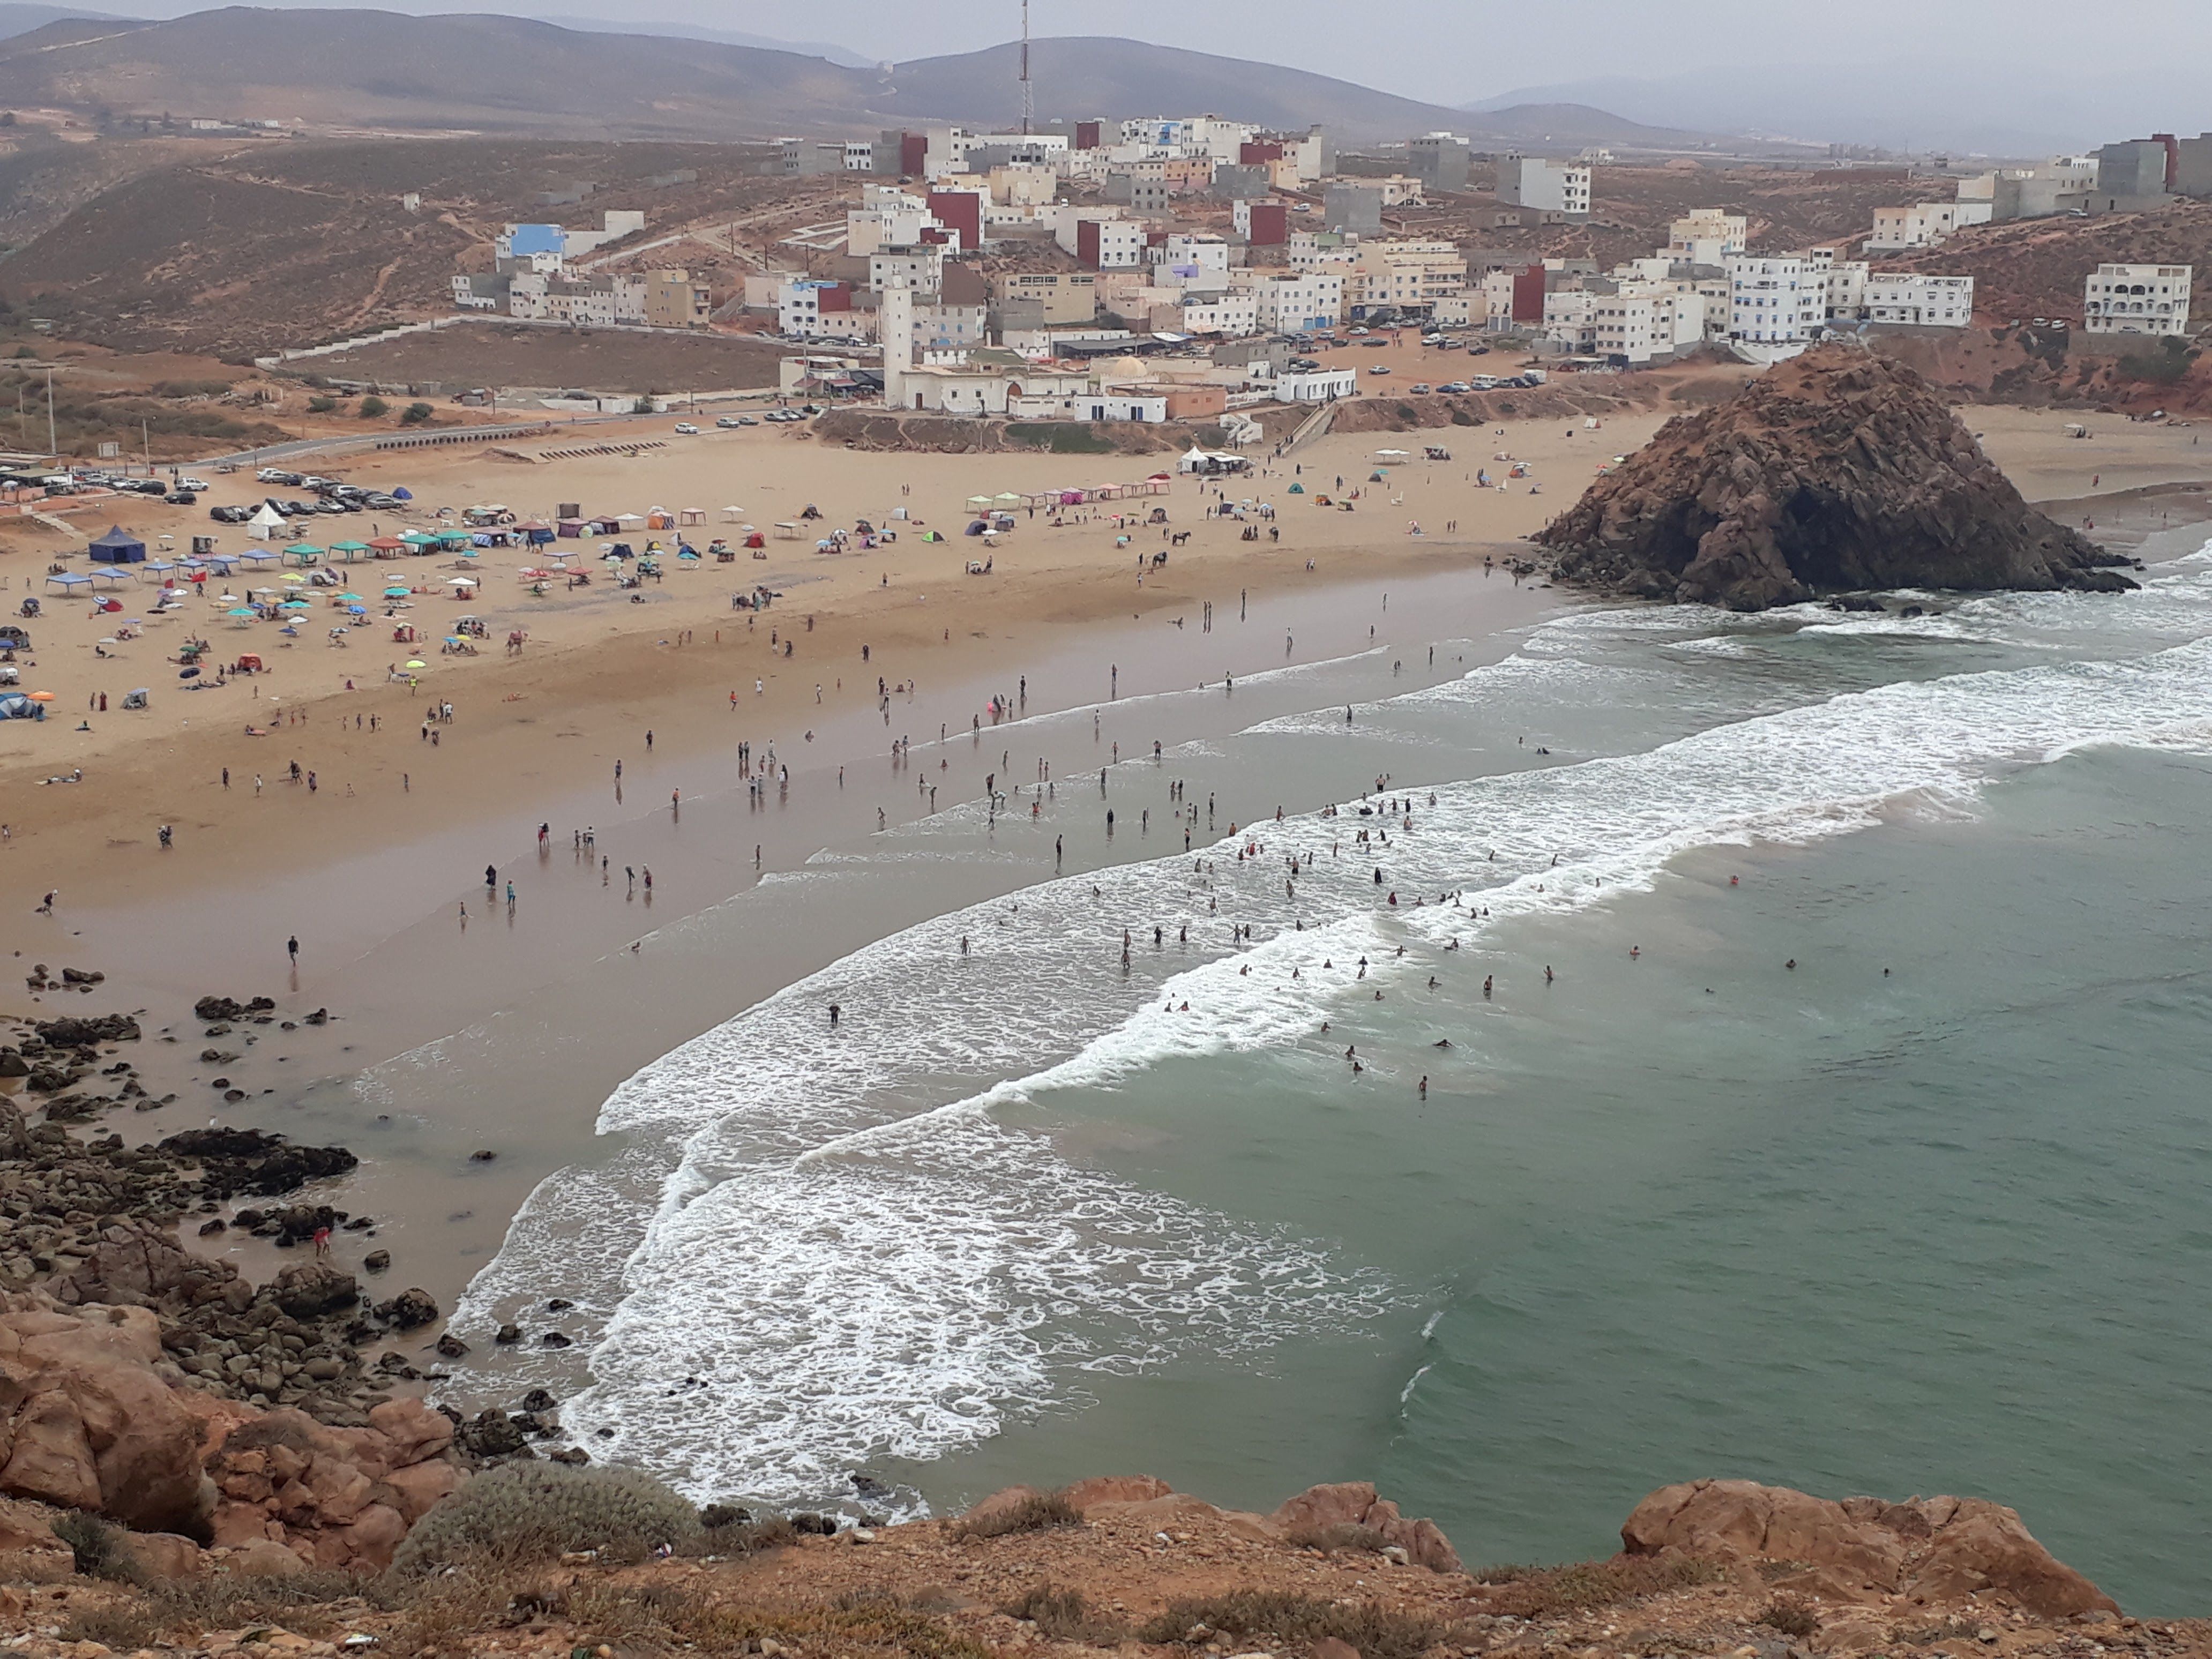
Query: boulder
(162, 1554)
(1100, 1489)
(1937, 1551)
(91, 1424)
(408, 1310)
(1836, 471)
(1354, 1503)
(310, 1289)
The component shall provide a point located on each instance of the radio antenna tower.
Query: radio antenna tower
(1029, 94)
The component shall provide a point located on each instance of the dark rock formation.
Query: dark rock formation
(1836, 471)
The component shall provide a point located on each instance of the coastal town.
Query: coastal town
(786, 831)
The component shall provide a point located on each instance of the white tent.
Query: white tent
(265, 523)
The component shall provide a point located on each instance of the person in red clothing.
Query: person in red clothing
(322, 1243)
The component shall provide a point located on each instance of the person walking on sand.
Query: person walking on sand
(322, 1243)
(292, 949)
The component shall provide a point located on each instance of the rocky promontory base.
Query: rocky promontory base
(1837, 471)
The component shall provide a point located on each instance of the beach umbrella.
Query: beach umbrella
(396, 592)
(42, 697)
(245, 611)
(292, 576)
(416, 662)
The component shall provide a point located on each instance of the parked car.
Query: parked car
(1420, 388)
(230, 514)
(1375, 342)
(376, 501)
(192, 484)
(181, 498)
(1453, 388)
(747, 420)
(277, 475)
(685, 429)
(1378, 368)
(726, 423)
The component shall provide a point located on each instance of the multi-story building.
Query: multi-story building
(1919, 301)
(1439, 159)
(1262, 224)
(1641, 324)
(2138, 300)
(2137, 175)
(1924, 224)
(674, 300)
(1046, 299)
(1099, 240)
(1546, 187)
(1707, 236)
(1405, 276)
(1775, 298)
(810, 308)
(1229, 315)
(1303, 302)
(1847, 290)
(918, 270)
(1322, 250)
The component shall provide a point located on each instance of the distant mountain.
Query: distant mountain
(21, 19)
(1919, 105)
(834, 53)
(513, 76)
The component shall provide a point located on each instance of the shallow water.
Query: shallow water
(1042, 1207)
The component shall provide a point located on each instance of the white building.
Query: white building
(1528, 181)
(1924, 224)
(920, 269)
(1232, 316)
(1303, 302)
(1847, 290)
(1775, 298)
(1320, 386)
(1641, 324)
(1322, 250)
(2138, 300)
(1919, 301)
(1570, 320)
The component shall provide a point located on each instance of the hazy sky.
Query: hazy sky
(1454, 51)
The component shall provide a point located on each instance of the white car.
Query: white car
(193, 484)
(727, 422)
(685, 429)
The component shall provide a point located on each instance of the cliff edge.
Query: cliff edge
(1837, 470)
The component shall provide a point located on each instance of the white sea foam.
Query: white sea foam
(819, 1248)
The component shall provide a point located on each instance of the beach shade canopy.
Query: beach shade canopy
(460, 582)
(416, 538)
(42, 696)
(246, 611)
(265, 522)
(67, 578)
(118, 548)
(387, 544)
(1007, 498)
(260, 557)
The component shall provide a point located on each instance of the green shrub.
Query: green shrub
(97, 1546)
(1376, 1631)
(2164, 364)
(321, 405)
(1547, 1592)
(531, 1512)
(415, 414)
(1035, 1513)
(373, 408)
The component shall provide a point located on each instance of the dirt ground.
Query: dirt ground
(602, 361)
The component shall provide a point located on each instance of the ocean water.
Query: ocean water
(1856, 1141)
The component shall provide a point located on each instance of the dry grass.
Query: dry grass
(1285, 1616)
(1545, 1592)
(1063, 1615)
(1035, 1513)
(310, 1603)
(1792, 1615)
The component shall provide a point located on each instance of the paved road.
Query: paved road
(272, 454)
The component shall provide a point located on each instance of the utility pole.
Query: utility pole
(53, 444)
(1028, 95)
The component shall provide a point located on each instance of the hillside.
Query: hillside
(2036, 267)
(513, 76)
(289, 245)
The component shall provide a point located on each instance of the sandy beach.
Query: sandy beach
(370, 870)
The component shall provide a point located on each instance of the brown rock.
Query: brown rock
(1836, 471)
(51, 1457)
(163, 1554)
(1939, 1550)
(263, 1558)
(29, 1551)
(413, 1490)
(413, 1430)
(1331, 1647)
(369, 1541)
(1085, 1495)
(1354, 1504)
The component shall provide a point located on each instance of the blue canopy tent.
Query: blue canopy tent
(116, 548)
(68, 580)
